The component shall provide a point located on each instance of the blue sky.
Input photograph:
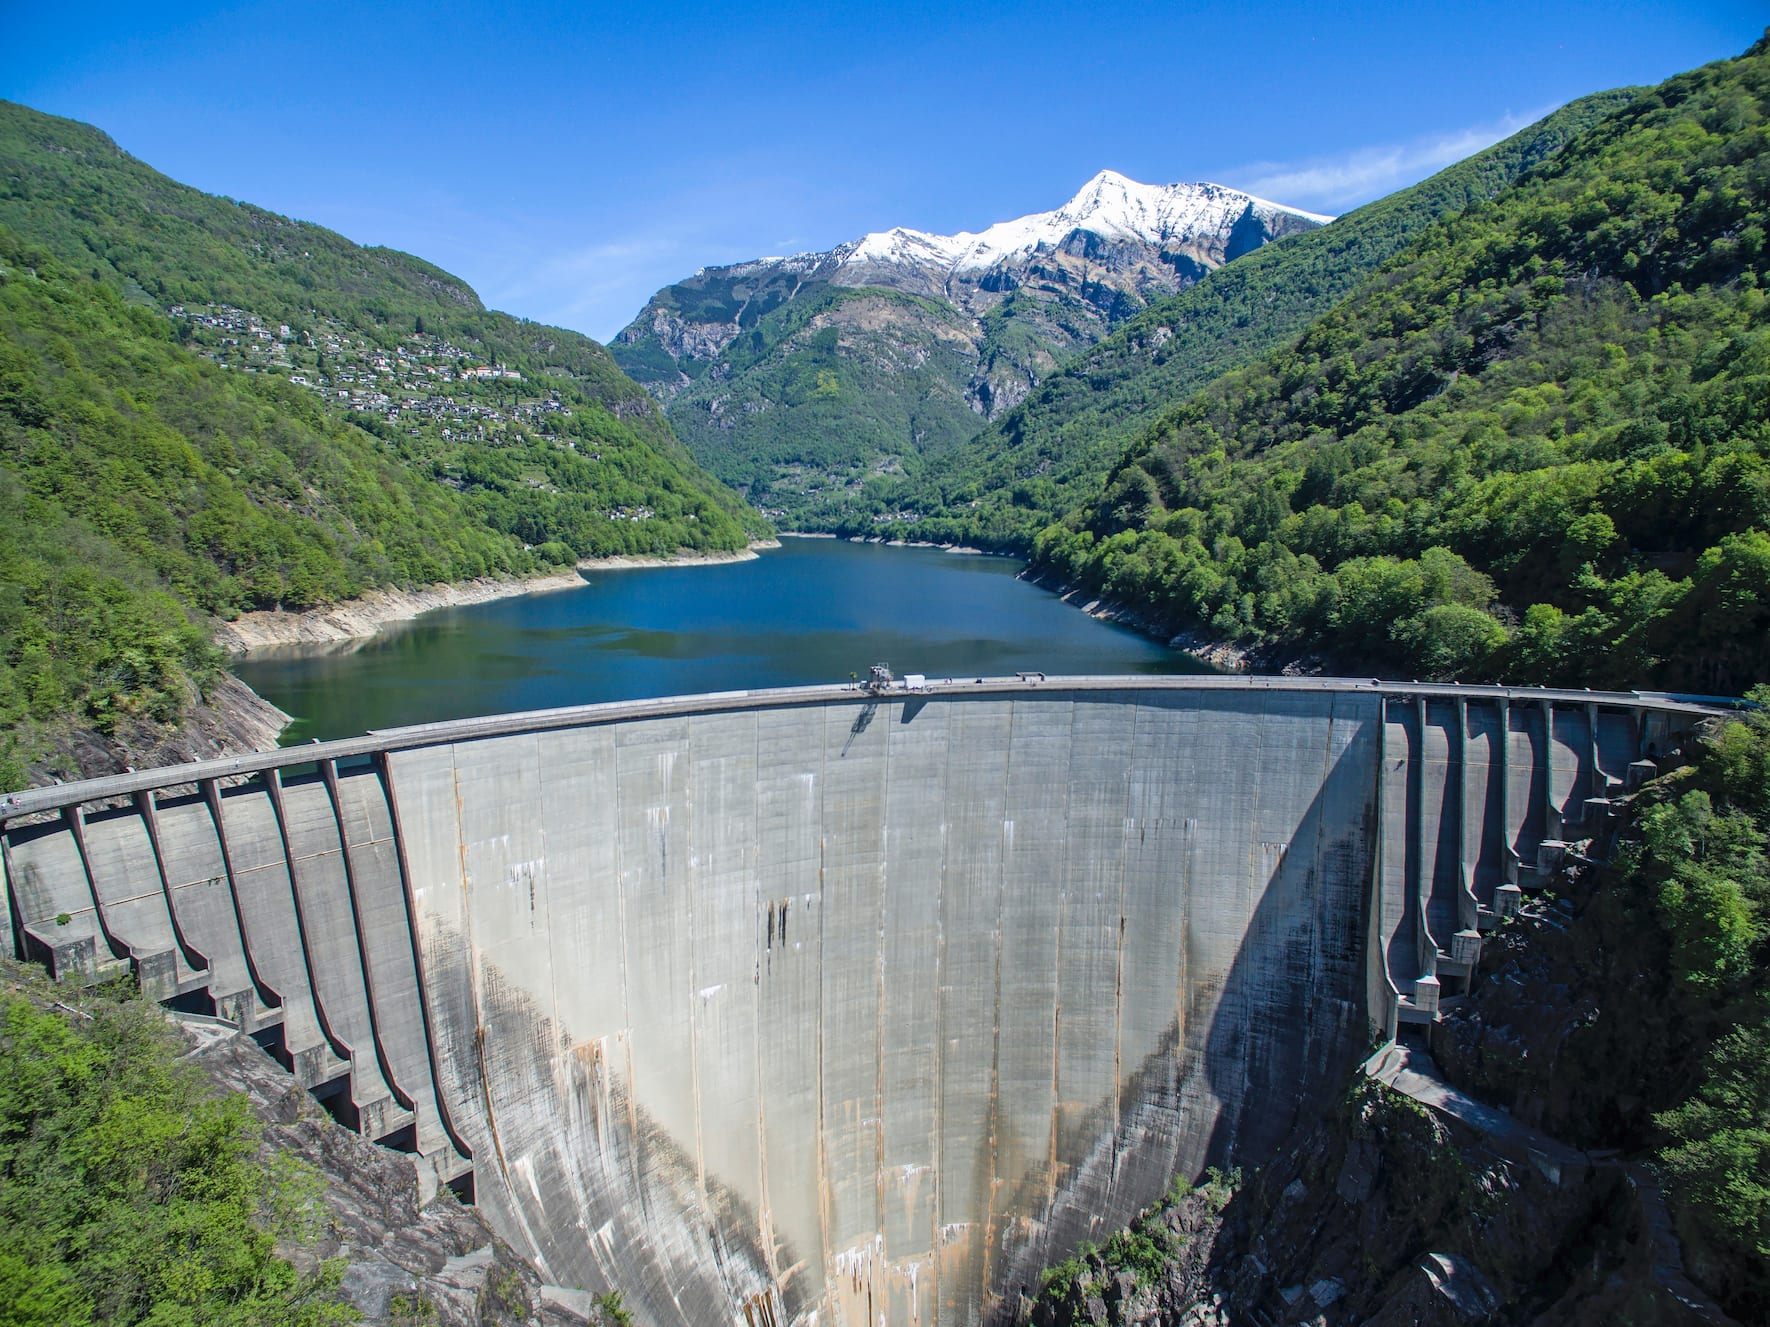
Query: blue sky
(569, 159)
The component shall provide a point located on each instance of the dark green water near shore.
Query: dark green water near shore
(814, 610)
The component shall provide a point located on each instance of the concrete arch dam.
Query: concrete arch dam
(826, 1006)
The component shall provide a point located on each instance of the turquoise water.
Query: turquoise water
(814, 610)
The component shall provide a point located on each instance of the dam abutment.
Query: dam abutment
(833, 1001)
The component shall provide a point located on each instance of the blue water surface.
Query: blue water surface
(814, 610)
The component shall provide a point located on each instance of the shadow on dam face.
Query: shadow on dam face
(825, 1006)
(872, 1019)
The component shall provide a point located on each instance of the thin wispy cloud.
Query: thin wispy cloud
(1345, 180)
(599, 286)
(596, 288)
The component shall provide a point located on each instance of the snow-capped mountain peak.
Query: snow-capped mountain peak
(1110, 205)
(1063, 279)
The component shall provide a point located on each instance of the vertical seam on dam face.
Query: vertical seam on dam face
(1245, 909)
(937, 1063)
(879, 995)
(273, 783)
(694, 984)
(439, 1095)
(150, 817)
(75, 820)
(993, 1235)
(212, 799)
(471, 975)
(766, 1226)
(1118, 957)
(329, 773)
(932, 1055)
(12, 931)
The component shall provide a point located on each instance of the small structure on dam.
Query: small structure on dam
(843, 1005)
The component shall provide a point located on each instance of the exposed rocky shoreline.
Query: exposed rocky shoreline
(358, 619)
(1225, 656)
(227, 718)
(894, 543)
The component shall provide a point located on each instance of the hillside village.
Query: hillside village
(424, 387)
(424, 379)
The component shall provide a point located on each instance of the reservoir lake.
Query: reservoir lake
(812, 611)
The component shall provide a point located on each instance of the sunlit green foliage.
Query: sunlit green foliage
(611, 1311)
(1699, 876)
(138, 482)
(129, 1196)
(1533, 445)
(69, 188)
(1053, 451)
(823, 383)
(142, 486)
(1720, 1163)
(1143, 1249)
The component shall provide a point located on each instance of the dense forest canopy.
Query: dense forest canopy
(154, 471)
(1053, 450)
(68, 188)
(129, 1193)
(1531, 446)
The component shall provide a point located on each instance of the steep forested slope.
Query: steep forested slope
(206, 408)
(1533, 445)
(129, 1193)
(137, 480)
(67, 187)
(1054, 449)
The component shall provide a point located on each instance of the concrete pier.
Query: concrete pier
(839, 1006)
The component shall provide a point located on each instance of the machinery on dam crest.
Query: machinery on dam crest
(846, 1004)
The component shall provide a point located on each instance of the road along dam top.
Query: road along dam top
(828, 1005)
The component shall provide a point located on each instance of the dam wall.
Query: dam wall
(830, 1005)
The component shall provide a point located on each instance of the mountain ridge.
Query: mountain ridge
(903, 339)
(1053, 449)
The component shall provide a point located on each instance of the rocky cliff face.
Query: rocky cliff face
(226, 718)
(907, 342)
(410, 1255)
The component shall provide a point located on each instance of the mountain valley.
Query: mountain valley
(1509, 425)
(796, 379)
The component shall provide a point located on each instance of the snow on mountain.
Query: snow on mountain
(994, 311)
(1109, 205)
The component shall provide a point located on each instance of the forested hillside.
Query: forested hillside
(824, 389)
(206, 408)
(1053, 450)
(67, 187)
(1532, 446)
(128, 1192)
